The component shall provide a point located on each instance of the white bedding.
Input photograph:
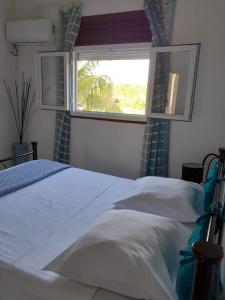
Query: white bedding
(40, 221)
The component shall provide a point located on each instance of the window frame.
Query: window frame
(39, 81)
(70, 73)
(194, 50)
(113, 50)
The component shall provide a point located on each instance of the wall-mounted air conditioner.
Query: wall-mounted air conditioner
(27, 32)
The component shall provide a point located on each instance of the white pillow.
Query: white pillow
(128, 252)
(167, 197)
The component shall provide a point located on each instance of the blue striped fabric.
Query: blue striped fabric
(23, 175)
(62, 137)
(69, 24)
(155, 151)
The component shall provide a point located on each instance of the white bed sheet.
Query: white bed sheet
(40, 221)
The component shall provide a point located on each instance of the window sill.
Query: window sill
(118, 118)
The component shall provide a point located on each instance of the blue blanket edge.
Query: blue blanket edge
(18, 183)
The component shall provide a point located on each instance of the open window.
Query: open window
(173, 78)
(111, 82)
(52, 80)
(120, 81)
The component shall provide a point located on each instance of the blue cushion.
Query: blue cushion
(209, 186)
(187, 264)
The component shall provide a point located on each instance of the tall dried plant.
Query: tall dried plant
(22, 103)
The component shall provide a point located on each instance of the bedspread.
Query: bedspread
(23, 175)
(40, 221)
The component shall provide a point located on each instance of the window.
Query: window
(120, 81)
(111, 82)
(52, 72)
(174, 72)
(114, 72)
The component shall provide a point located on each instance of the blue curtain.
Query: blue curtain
(69, 25)
(155, 151)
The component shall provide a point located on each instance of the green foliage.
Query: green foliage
(131, 97)
(95, 92)
(98, 93)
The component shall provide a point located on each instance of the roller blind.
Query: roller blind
(117, 28)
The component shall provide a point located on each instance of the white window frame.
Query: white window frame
(39, 83)
(192, 76)
(139, 50)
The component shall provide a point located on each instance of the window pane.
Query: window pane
(53, 80)
(113, 86)
(173, 72)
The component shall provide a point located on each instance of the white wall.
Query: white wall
(201, 21)
(7, 71)
(24, 9)
(116, 148)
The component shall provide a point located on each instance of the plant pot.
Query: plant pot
(19, 149)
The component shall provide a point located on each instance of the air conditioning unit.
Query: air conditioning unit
(27, 32)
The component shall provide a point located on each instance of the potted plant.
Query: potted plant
(22, 104)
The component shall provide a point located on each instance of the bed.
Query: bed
(22, 241)
(39, 220)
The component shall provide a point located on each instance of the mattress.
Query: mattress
(39, 221)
